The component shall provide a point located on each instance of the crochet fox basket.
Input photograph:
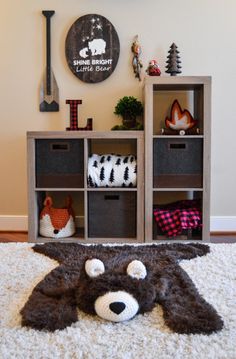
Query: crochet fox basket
(57, 222)
(118, 282)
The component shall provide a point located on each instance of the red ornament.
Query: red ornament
(153, 68)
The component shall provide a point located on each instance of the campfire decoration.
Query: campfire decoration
(180, 120)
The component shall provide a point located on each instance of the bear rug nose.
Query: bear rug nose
(117, 307)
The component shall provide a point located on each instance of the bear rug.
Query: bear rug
(146, 335)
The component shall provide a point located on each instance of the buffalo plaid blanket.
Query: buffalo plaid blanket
(173, 218)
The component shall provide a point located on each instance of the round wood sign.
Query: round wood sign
(92, 48)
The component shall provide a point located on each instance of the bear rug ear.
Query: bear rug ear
(136, 269)
(94, 267)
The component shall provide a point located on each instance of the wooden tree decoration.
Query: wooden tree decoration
(173, 62)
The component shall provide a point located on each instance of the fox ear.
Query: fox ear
(48, 202)
(68, 201)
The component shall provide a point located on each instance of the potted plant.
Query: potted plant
(129, 108)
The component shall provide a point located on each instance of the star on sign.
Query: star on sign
(93, 20)
(99, 27)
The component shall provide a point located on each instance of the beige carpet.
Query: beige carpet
(145, 336)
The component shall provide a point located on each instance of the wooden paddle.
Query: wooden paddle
(49, 93)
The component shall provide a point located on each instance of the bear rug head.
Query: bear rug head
(118, 282)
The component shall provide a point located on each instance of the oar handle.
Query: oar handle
(48, 14)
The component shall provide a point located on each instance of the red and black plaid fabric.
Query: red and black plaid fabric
(173, 218)
(88, 127)
(73, 114)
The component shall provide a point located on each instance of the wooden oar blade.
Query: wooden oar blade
(49, 102)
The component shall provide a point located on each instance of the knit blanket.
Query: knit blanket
(111, 170)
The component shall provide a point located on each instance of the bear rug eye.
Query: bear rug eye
(117, 283)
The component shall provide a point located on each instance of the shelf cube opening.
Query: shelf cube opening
(173, 211)
(110, 145)
(112, 163)
(178, 162)
(190, 97)
(59, 201)
(112, 214)
(59, 163)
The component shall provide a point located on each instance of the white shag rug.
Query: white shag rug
(144, 337)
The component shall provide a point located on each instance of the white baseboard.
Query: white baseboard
(223, 224)
(13, 223)
(20, 223)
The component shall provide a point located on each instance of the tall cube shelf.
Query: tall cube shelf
(177, 167)
(58, 165)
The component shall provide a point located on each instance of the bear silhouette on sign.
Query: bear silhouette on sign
(117, 283)
(96, 46)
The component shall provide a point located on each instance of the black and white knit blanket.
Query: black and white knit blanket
(111, 170)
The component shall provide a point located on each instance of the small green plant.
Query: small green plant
(129, 105)
(129, 108)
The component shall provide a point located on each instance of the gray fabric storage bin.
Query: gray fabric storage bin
(112, 214)
(178, 162)
(59, 163)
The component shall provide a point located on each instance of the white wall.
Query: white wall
(204, 31)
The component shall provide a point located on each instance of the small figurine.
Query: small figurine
(137, 64)
(153, 68)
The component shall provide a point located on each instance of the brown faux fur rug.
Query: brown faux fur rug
(54, 301)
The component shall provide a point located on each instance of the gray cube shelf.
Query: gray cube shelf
(177, 167)
(171, 167)
(57, 166)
